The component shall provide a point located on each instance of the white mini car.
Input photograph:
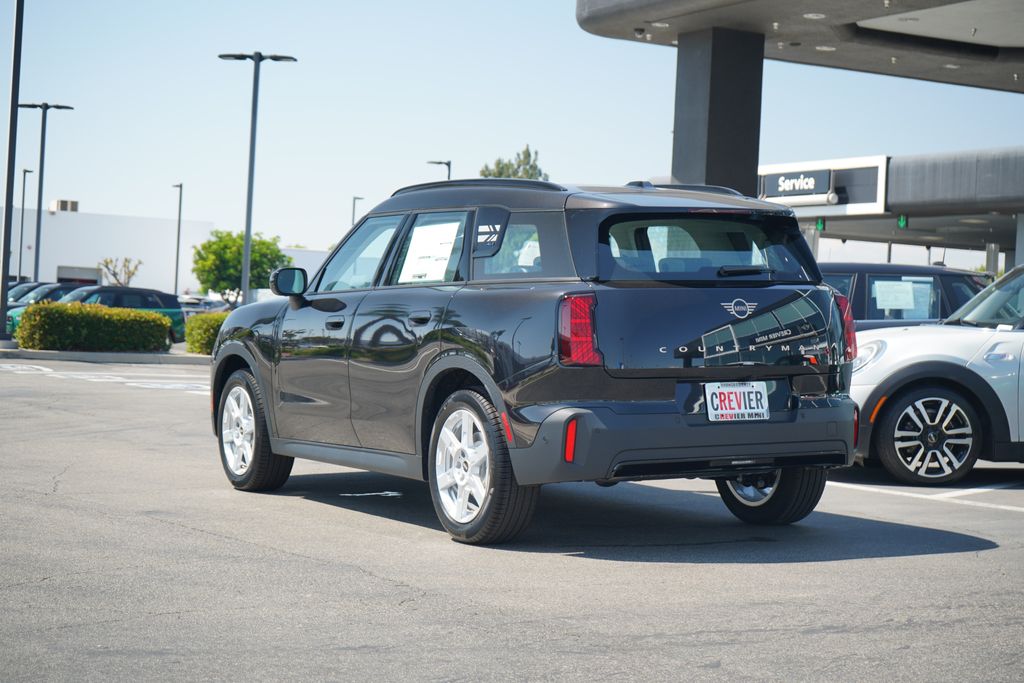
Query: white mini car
(934, 399)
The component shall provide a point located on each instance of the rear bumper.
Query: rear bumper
(616, 442)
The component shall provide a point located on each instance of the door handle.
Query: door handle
(420, 317)
(335, 322)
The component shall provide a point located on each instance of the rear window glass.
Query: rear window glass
(704, 248)
(533, 245)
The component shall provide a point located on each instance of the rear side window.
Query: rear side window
(431, 251)
(533, 245)
(903, 297)
(704, 248)
(843, 282)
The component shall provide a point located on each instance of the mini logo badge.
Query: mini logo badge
(739, 308)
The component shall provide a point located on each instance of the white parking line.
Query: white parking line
(925, 496)
(956, 493)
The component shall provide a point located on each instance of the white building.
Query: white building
(74, 243)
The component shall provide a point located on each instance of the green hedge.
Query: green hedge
(91, 327)
(201, 331)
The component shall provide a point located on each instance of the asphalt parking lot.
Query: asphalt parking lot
(125, 555)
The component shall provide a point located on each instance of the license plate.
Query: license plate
(736, 401)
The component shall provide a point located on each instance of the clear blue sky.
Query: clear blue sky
(381, 87)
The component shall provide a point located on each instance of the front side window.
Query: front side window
(533, 245)
(903, 297)
(355, 264)
(103, 298)
(432, 249)
(703, 248)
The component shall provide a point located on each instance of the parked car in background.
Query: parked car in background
(121, 297)
(895, 295)
(50, 292)
(934, 399)
(20, 290)
(190, 305)
(459, 336)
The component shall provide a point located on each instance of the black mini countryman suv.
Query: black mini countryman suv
(489, 336)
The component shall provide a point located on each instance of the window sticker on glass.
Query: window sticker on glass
(429, 250)
(890, 295)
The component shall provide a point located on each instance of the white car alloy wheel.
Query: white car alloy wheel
(754, 490)
(238, 431)
(461, 466)
(933, 437)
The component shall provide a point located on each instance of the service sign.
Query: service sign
(797, 183)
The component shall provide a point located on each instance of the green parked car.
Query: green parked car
(121, 297)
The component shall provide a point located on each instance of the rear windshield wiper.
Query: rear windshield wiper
(729, 271)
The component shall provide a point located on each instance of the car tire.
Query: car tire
(780, 497)
(474, 490)
(244, 440)
(928, 436)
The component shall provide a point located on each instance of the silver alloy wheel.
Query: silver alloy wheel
(461, 466)
(933, 437)
(238, 430)
(754, 490)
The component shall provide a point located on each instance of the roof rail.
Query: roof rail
(520, 183)
(717, 189)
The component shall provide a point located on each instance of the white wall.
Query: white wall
(85, 239)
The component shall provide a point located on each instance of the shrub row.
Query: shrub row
(201, 332)
(91, 327)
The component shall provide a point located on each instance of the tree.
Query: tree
(523, 166)
(217, 262)
(120, 271)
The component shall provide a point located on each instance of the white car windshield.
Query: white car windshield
(1001, 303)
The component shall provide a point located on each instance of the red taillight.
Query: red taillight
(577, 338)
(849, 327)
(570, 440)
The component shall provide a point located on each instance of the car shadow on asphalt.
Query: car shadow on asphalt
(634, 523)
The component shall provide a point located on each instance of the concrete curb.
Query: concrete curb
(107, 357)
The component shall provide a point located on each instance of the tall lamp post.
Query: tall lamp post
(257, 58)
(354, 200)
(177, 242)
(21, 239)
(444, 163)
(45, 107)
(12, 144)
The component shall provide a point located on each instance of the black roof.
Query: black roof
(540, 195)
(889, 268)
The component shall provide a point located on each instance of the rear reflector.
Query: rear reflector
(849, 327)
(508, 428)
(577, 336)
(570, 440)
(856, 426)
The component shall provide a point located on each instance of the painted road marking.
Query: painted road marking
(191, 383)
(926, 496)
(956, 493)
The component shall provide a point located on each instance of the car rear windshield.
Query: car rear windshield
(704, 248)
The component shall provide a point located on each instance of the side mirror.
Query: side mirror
(288, 281)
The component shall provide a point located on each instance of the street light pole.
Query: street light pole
(354, 200)
(257, 58)
(444, 163)
(177, 242)
(45, 107)
(12, 144)
(21, 238)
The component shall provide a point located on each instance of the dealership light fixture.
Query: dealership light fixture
(814, 16)
(257, 58)
(444, 163)
(44, 107)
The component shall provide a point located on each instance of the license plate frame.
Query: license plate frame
(736, 401)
